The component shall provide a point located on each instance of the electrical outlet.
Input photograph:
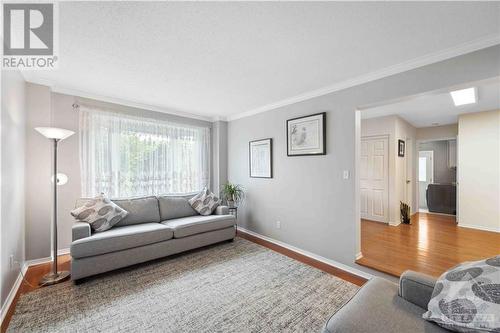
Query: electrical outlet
(11, 261)
(278, 224)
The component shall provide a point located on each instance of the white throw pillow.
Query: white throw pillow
(100, 212)
(204, 202)
(466, 298)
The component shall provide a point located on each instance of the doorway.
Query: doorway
(425, 176)
(437, 175)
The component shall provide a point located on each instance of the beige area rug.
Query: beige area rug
(228, 287)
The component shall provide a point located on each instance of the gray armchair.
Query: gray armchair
(383, 306)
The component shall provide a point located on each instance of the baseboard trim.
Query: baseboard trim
(12, 294)
(34, 262)
(478, 227)
(359, 256)
(17, 284)
(331, 263)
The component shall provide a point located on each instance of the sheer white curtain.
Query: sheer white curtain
(125, 156)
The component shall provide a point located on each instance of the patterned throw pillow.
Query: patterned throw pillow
(204, 202)
(100, 212)
(467, 297)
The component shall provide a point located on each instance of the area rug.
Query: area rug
(228, 287)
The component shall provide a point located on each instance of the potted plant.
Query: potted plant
(233, 193)
(405, 213)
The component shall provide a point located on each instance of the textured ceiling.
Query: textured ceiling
(437, 108)
(224, 58)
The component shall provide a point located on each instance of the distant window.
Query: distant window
(422, 169)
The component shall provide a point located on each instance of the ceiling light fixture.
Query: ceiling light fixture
(464, 96)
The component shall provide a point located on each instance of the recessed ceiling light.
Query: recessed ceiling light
(435, 124)
(464, 96)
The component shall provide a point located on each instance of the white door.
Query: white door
(425, 175)
(374, 178)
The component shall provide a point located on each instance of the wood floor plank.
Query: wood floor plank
(431, 245)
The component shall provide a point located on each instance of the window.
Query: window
(125, 156)
(422, 169)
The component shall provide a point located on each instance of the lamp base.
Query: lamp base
(51, 278)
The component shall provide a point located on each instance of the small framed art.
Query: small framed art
(261, 158)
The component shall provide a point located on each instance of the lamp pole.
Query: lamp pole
(54, 226)
(55, 276)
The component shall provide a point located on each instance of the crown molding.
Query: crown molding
(445, 54)
(130, 103)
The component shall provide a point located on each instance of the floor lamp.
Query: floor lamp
(56, 135)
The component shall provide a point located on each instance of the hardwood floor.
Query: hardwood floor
(431, 244)
(33, 275)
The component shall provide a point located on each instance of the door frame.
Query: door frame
(387, 160)
(409, 174)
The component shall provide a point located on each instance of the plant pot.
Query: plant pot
(230, 203)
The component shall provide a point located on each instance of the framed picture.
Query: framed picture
(401, 148)
(306, 135)
(261, 158)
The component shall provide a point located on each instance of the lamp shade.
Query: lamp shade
(54, 132)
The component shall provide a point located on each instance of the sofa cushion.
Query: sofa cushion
(466, 298)
(377, 308)
(100, 212)
(121, 238)
(205, 202)
(140, 210)
(187, 226)
(172, 207)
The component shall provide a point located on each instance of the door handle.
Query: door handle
(408, 181)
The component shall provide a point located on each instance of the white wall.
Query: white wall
(437, 132)
(38, 173)
(13, 117)
(479, 170)
(395, 128)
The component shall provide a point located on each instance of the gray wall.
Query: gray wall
(442, 174)
(219, 155)
(315, 205)
(46, 108)
(13, 118)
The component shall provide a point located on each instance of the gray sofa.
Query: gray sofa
(155, 227)
(383, 306)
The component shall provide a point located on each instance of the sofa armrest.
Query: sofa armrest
(416, 288)
(221, 210)
(80, 230)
